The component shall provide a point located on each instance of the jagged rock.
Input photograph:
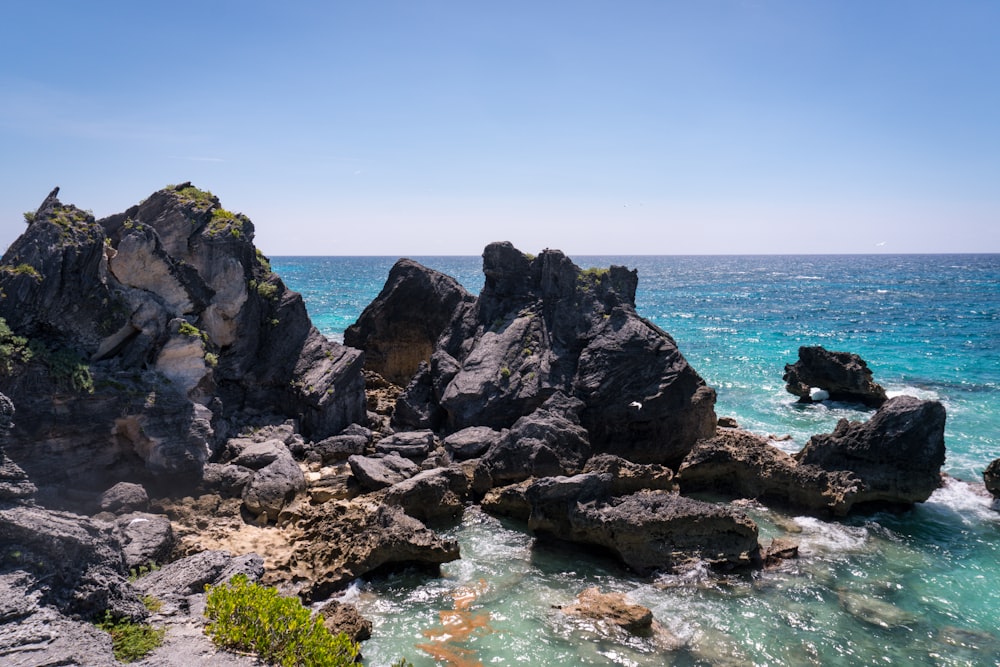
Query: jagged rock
(991, 477)
(842, 375)
(628, 477)
(273, 487)
(342, 617)
(470, 442)
(334, 482)
(648, 530)
(410, 444)
(431, 495)
(190, 575)
(77, 563)
(125, 497)
(146, 538)
(378, 473)
(780, 548)
(897, 454)
(144, 308)
(510, 501)
(542, 326)
(611, 608)
(343, 541)
(747, 466)
(549, 441)
(339, 447)
(226, 479)
(399, 328)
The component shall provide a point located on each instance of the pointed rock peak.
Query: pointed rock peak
(49, 204)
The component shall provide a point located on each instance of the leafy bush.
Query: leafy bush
(14, 350)
(22, 270)
(185, 328)
(65, 366)
(244, 616)
(131, 641)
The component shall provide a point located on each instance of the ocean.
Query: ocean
(920, 587)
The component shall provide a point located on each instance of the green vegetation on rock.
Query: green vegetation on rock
(245, 616)
(22, 270)
(66, 366)
(131, 641)
(191, 195)
(14, 350)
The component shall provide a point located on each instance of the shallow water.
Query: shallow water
(918, 588)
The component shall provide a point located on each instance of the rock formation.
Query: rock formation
(991, 476)
(149, 334)
(542, 326)
(842, 375)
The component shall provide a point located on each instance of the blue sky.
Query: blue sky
(420, 128)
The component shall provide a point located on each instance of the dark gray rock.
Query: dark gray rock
(226, 479)
(273, 487)
(843, 375)
(398, 330)
(146, 539)
(378, 473)
(991, 477)
(125, 497)
(647, 531)
(339, 447)
(897, 454)
(628, 477)
(471, 442)
(14, 482)
(431, 495)
(190, 575)
(542, 326)
(550, 441)
(410, 444)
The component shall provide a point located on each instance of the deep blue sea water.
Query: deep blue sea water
(922, 587)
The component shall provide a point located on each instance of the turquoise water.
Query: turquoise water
(922, 587)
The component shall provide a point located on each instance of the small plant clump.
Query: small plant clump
(131, 641)
(14, 350)
(265, 289)
(66, 366)
(245, 616)
(185, 328)
(192, 195)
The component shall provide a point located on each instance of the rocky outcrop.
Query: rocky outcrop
(146, 539)
(541, 326)
(648, 531)
(432, 495)
(398, 330)
(894, 458)
(124, 497)
(342, 617)
(612, 608)
(843, 376)
(378, 473)
(991, 477)
(897, 454)
(151, 332)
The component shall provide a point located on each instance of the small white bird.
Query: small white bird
(635, 404)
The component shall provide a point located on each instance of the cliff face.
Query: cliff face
(145, 337)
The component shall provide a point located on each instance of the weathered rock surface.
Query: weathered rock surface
(146, 539)
(189, 576)
(542, 326)
(378, 473)
(410, 444)
(398, 330)
(343, 541)
(745, 465)
(843, 375)
(125, 497)
(897, 454)
(342, 617)
(471, 442)
(138, 367)
(991, 476)
(628, 477)
(648, 530)
(431, 495)
(611, 608)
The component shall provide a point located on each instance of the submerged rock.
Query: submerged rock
(820, 374)
(611, 608)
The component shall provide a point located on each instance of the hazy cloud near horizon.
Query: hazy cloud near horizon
(422, 128)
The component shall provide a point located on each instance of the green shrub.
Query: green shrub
(185, 328)
(22, 270)
(14, 350)
(191, 194)
(65, 366)
(244, 616)
(131, 641)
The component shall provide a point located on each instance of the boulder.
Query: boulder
(541, 326)
(410, 444)
(398, 330)
(343, 541)
(431, 495)
(991, 476)
(190, 575)
(125, 497)
(897, 454)
(146, 539)
(339, 447)
(273, 487)
(611, 608)
(843, 376)
(226, 479)
(471, 442)
(628, 477)
(342, 617)
(509, 501)
(549, 441)
(648, 531)
(378, 473)
(745, 465)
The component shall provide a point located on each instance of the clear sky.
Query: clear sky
(608, 127)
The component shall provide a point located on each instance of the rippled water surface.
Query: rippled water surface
(922, 587)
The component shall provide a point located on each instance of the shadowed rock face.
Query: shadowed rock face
(541, 326)
(151, 332)
(843, 375)
(991, 476)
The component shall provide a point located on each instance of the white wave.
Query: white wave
(819, 536)
(969, 500)
(910, 390)
(809, 277)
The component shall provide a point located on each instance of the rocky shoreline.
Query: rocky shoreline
(167, 401)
